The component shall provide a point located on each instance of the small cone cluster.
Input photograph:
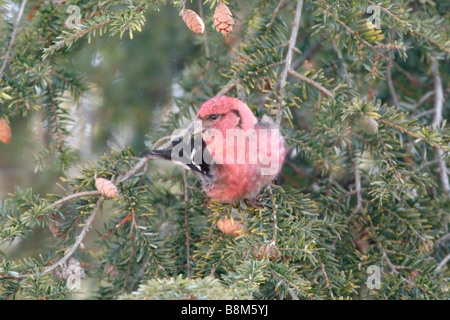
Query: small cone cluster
(193, 21)
(72, 271)
(223, 19)
(5, 131)
(106, 187)
(230, 227)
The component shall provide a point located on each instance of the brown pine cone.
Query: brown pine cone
(5, 131)
(230, 227)
(223, 19)
(193, 21)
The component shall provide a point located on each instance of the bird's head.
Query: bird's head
(223, 113)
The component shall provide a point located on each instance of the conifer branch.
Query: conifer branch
(411, 227)
(57, 121)
(58, 45)
(88, 223)
(327, 283)
(381, 249)
(357, 36)
(280, 278)
(79, 239)
(412, 134)
(410, 27)
(312, 82)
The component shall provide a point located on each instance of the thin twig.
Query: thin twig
(423, 114)
(359, 199)
(275, 12)
(205, 36)
(289, 289)
(213, 270)
(311, 82)
(412, 134)
(383, 251)
(442, 239)
(410, 27)
(358, 190)
(133, 244)
(79, 239)
(438, 109)
(442, 263)
(186, 222)
(389, 75)
(74, 196)
(410, 226)
(438, 96)
(347, 78)
(142, 163)
(424, 98)
(58, 45)
(33, 11)
(287, 66)
(327, 281)
(274, 217)
(13, 38)
(390, 84)
(227, 88)
(443, 171)
(295, 64)
(367, 44)
(389, 263)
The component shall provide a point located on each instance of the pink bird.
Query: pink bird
(233, 153)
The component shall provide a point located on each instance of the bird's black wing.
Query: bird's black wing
(191, 153)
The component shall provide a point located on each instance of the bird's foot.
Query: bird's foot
(256, 203)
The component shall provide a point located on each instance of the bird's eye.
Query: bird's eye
(214, 116)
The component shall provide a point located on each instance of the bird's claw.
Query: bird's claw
(256, 203)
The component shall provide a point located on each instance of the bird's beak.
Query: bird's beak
(195, 127)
